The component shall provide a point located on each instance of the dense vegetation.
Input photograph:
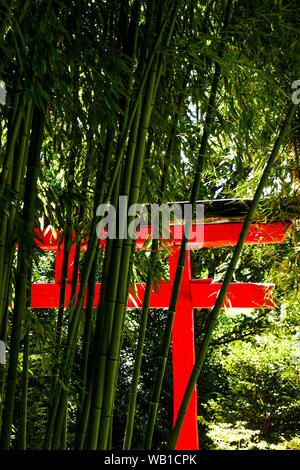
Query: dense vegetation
(158, 101)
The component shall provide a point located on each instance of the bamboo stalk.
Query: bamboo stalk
(85, 350)
(121, 286)
(103, 335)
(162, 360)
(59, 394)
(84, 412)
(228, 277)
(115, 171)
(140, 91)
(121, 300)
(146, 300)
(14, 125)
(119, 305)
(139, 354)
(22, 275)
(11, 144)
(65, 264)
(26, 344)
(20, 158)
(64, 438)
(75, 317)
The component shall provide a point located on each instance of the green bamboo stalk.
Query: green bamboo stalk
(63, 287)
(139, 94)
(86, 340)
(84, 409)
(99, 328)
(64, 438)
(92, 247)
(162, 360)
(64, 271)
(213, 318)
(67, 245)
(59, 325)
(146, 300)
(99, 193)
(83, 414)
(19, 165)
(15, 120)
(23, 425)
(75, 317)
(103, 335)
(139, 354)
(121, 300)
(77, 236)
(101, 348)
(11, 144)
(88, 326)
(22, 274)
(119, 305)
(26, 344)
(60, 421)
(59, 394)
(110, 435)
(105, 322)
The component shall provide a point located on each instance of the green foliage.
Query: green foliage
(253, 381)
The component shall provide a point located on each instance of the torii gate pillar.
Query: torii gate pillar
(183, 352)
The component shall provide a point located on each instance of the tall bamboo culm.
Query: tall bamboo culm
(200, 357)
(22, 273)
(113, 318)
(160, 371)
(146, 301)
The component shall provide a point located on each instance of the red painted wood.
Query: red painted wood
(183, 352)
(213, 235)
(217, 235)
(240, 295)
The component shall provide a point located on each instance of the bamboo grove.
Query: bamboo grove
(113, 98)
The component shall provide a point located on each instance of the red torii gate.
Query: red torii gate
(193, 294)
